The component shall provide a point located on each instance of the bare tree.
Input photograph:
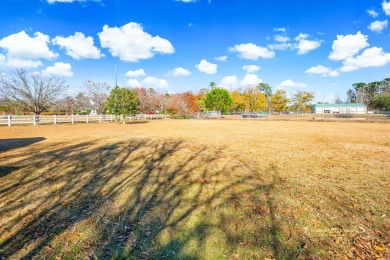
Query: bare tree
(82, 101)
(98, 93)
(34, 92)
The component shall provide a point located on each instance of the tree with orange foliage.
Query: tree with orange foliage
(150, 99)
(182, 104)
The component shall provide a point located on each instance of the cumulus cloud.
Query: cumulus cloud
(323, 71)
(221, 58)
(372, 13)
(155, 82)
(371, 57)
(229, 82)
(20, 63)
(281, 29)
(78, 46)
(251, 68)
(131, 43)
(21, 45)
(135, 73)
(134, 83)
(207, 67)
(251, 51)
(25, 51)
(386, 7)
(304, 45)
(281, 46)
(59, 69)
(180, 72)
(281, 38)
(292, 84)
(346, 46)
(69, 1)
(378, 26)
(2, 59)
(250, 80)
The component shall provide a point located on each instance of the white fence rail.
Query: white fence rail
(9, 120)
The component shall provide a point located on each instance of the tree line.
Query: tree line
(37, 93)
(376, 95)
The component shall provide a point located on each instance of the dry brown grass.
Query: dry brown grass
(195, 189)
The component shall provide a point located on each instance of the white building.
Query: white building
(352, 108)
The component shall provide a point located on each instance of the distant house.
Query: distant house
(352, 108)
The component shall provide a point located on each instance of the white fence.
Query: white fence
(72, 119)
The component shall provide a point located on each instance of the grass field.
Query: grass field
(195, 189)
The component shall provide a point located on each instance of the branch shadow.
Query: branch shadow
(9, 144)
(5, 170)
(140, 199)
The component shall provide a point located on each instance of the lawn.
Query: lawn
(195, 189)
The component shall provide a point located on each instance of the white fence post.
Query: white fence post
(121, 118)
(9, 120)
(100, 118)
(72, 119)
(87, 119)
(111, 118)
(34, 120)
(55, 119)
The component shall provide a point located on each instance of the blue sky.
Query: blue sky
(174, 46)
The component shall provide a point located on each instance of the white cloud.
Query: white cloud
(180, 72)
(207, 67)
(78, 46)
(372, 57)
(251, 68)
(69, 1)
(221, 58)
(323, 71)
(292, 84)
(25, 51)
(229, 82)
(250, 80)
(2, 59)
(131, 43)
(20, 63)
(64, 1)
(378, 26)
(386, 7)
(155, 82)
(59, 69)
(281, 29)
(281, 38)
(372, 13)
(304, 45)
(302, 36)
(346, 46)
(251, 51)
(134, 83)
(281, 46)
(22, 46)
(135, 73)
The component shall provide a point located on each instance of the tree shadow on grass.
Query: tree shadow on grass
(8, 144)
(5, 170)
(138, 199)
